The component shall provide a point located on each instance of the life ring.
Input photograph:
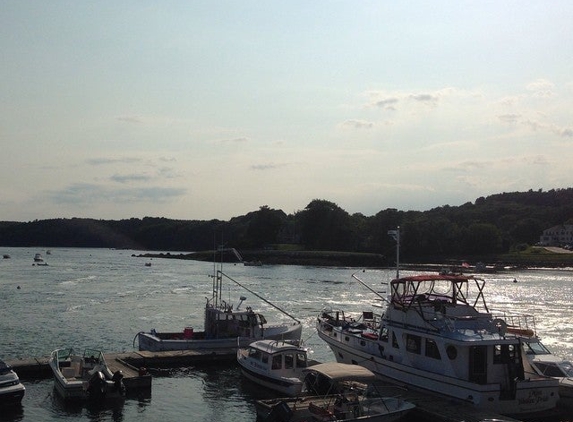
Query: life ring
(500, 325)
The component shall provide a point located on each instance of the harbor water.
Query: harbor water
(101, 298)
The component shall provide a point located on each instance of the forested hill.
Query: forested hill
(494, 224)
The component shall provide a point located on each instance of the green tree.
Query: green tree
(325, 226)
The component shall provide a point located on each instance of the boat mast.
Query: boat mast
(396, 235)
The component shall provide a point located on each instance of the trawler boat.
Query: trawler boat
(438, 336)
(274, 364)
(225, 327)
(85, 376)
(336, 392)
(11, 389)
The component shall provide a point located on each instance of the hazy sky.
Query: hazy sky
(210, 109)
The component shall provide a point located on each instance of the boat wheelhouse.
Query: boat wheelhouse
(274, 364)
(437, 335)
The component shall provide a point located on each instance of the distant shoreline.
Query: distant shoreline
(491, 264)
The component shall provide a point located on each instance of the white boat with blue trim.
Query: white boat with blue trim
(275, 364)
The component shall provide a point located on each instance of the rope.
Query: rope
(260, 297)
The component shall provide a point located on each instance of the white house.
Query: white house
(557, 235)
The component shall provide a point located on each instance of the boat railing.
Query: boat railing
(518, 324)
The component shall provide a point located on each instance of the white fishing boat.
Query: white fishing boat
(11, 389)
(85, 376)
(223, 325)
(336, 392)
(274, 364)
(438, 336)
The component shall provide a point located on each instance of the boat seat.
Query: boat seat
(320, 413)
(69, 372)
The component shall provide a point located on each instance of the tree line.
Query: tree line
(491, 225)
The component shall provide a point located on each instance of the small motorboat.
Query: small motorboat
(39, 260)
(275, 364)
(85, 376)
(11, 389)
(336, 392)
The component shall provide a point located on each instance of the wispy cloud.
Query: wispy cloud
(108, 160)
(268, 166)
(125, 178)
(130, 119)
(88, 193)
(234, 140)
(356, 124)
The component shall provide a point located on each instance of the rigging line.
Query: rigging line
(355, 277)
(260, 297)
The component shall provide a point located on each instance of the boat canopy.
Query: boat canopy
(447, 288)
(343, 372)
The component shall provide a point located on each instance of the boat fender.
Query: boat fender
(500, 325)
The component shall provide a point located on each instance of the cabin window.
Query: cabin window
(504, 353)
(265, 358)
(277, 362)
(300, 360)
(413, 343)
(452, 352)
(289, 361)
(394, 341)
(384, 334)
(432, 350)
(255, 354)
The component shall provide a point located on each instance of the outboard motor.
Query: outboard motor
(117, 381)
(97, 386)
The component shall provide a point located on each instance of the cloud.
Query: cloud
(234, 140)
(541, 88)
(356, 124)
(130, 178)
(130, 119)
(106, 160)
(88, 193)
(509, 118)
(425, 98)
(387, 103)
(270, 166)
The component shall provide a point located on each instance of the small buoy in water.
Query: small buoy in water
(18, 287)
(515, 280)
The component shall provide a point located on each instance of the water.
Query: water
(101, 298)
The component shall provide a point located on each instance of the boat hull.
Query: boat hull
(289, 387)
(154, 342)
(531, 396)
(12, 395)
(306, 408)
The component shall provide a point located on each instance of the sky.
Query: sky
(200, 110)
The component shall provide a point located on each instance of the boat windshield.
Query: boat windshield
(536, 348)
(553, 369)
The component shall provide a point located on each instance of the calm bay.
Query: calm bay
(102, 298)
